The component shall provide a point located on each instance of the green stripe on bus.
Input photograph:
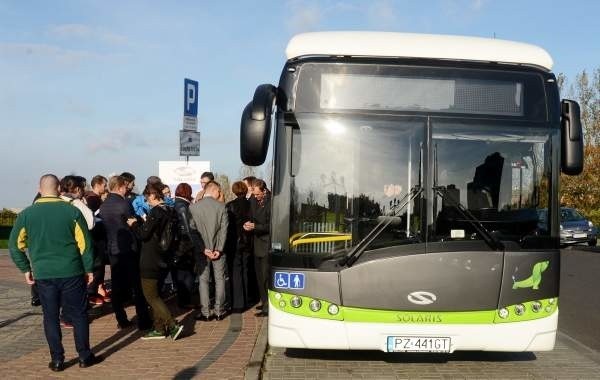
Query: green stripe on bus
(282, 301)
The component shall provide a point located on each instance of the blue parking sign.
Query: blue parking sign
(296, 280)
(281, 280)
(190, 98)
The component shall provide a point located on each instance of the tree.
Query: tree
(223, 180)
(582, 191)
(247, 171)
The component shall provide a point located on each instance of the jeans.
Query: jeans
(163, 320)
(70, 294)
(99, 267)
(219, 267)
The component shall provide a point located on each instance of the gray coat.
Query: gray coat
(209, 218)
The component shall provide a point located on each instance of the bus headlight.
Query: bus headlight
(282, 303)
(536, 306)
(296, 301)
(519, 309)
(503, 313)
(277, 296)
(315, 305)
(333, 309)
(551, 301)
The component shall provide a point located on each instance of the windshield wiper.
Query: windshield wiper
(490, 239)
(385, 221)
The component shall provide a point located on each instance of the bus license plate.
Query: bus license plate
(418, 344)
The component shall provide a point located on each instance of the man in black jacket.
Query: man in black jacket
(123, 255)
(259, 226)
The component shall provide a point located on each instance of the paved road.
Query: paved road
(576, 356)
(580, 296)
(213, 350)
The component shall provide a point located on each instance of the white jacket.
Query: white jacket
(85, 210)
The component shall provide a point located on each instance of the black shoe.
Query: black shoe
(90, 361)
(36, 302)
(57, 366)
(202, 317)
(259, 307)
(220, 317)
(123, 325)
(143, 326)
(262, 314)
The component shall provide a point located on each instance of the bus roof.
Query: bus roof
(411, 45)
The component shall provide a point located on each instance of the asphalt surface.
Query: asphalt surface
(579, 302)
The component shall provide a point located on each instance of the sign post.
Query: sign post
(189, 137)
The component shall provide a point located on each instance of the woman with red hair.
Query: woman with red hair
(184, 254)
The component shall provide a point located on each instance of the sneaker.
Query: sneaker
(154, 334)
(175, 331)
(104, 293)
(66, 325)
(96, 300)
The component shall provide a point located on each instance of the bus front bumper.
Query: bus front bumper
(294, 331)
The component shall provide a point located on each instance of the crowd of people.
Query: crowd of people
(155, 243)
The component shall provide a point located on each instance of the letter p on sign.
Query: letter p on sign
(190, 100)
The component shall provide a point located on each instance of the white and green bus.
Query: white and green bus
(408, 172)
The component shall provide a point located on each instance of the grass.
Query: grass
(3, 244)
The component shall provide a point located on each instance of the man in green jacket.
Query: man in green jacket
(60, 261)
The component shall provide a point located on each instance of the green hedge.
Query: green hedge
(5, 232)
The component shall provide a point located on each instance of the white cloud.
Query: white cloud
(46, 51)
(86, 32)
(304, 17)
(478, 4)
(382, 15)
(118, 139)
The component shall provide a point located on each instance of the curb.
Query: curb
(254, 367)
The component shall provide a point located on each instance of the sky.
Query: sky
(96, 86)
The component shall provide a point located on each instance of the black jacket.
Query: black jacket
(238, 211)
(189, 244)
(261, 217)
(114, 212)
(152, 256)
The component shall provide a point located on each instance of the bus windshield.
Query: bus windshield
(350, 171)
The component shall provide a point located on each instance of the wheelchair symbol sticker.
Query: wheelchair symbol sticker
(282, 280)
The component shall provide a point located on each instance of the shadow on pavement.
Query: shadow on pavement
(477, 356)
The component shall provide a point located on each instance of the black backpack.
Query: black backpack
(168, 235)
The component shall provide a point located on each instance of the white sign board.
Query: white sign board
(173, 173)
(190, 123)
(189, 143)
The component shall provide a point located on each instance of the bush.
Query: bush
(594, 216)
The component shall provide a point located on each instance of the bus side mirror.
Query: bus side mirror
(256, 126)
(571, 138)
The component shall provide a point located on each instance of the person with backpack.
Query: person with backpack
(157, 236)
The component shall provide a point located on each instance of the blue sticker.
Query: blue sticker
(296, 280)
(282, 280)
